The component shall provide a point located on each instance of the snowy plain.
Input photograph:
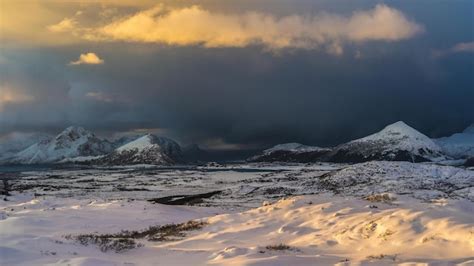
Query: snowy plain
(375, 213)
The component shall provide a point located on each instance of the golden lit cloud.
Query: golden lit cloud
(88, 59)
(30, 23)
(52, 22)
(197, 26)
(64, 25)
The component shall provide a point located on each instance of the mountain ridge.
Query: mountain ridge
(71, 142)
(78, 145)
(395, 142)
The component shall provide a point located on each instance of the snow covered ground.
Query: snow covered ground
(265, 214)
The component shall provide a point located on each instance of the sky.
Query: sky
(237, 74)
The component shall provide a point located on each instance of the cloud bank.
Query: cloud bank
(194, 25)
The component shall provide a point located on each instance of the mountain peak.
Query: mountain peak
(400, 127)
(148, 141)
(74, 129)
(73, 133)
(397, 131)
(147, 149)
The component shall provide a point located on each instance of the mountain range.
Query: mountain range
(72, 142)
(77, 145)
(395, 142)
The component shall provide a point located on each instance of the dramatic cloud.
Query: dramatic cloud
(88, 59)
(334, 72)
(197, 26)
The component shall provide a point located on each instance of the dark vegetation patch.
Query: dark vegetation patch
(382, 256)
(280, 247)
(127, 240)
(122, 188)
(385, 198)
(185, 199)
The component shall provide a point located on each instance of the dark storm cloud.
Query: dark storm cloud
(247, 95)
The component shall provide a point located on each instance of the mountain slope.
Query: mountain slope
(72, 142)
(148, 149)
(396, 142)
(124, 140)
(459, 145)
(291, 152)
(16, 142)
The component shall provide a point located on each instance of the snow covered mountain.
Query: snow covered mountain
(459, 145)
(291, 152)
(17, 142)
(396, 142)
(72, 142)
(148, 149)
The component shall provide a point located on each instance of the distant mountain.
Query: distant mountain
(148, 149)
(459, 145)
(17, 142)
(291, 152)
(194, 153)
(396, 142)
(77, 145)
(72, 142)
